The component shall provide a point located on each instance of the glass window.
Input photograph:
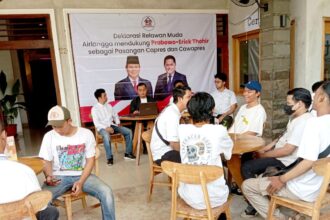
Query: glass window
(249, 60)
(246, 58)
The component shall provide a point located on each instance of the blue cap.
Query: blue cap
(253, 85)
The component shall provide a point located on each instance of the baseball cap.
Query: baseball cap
(132, 60)
(57, 115)
(253, 85)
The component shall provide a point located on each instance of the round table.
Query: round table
(242, 144)
(138, 130)
(35, 163)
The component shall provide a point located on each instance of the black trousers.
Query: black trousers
(251, 168)
(171, 155)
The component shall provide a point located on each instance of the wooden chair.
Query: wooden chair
(153, 167)
(65, 201)
(322, 168)
(194, 174)
(115, 139)
(26, 207)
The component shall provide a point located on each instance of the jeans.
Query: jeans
(251, 168)
(50, 213)
(107, 139)
(92, 186)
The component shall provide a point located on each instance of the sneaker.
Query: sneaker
(110, 161)
(249, 212)
(129, 156)
(235, 189)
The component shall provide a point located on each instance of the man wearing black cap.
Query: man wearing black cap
(251, 117)
(126, 89)
(69, 155)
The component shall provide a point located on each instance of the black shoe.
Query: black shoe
(249, 212)
(235, 189)
(129, 156)
(110, 161)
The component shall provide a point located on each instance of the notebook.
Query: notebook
(149, 108)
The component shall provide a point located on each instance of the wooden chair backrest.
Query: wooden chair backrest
(146, 136)
(191, 174)
(26, 207)
(322, 168)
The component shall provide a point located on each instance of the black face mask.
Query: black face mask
(288, 109)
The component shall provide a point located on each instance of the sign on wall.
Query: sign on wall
(252, 22)
(102, 43)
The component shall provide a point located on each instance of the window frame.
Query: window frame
(237, 39)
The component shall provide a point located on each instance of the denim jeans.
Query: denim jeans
(92, 186)
(251, 168)
(107, 140)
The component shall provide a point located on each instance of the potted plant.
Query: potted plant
(9, 104)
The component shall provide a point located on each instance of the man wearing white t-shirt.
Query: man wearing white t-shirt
(282, 151)
(19, 180)
(167, 125)
(69, 156)
(300, 183)
(201, 143)
(225, 99)
(251, 117)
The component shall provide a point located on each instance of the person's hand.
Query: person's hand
(76, 188)
(51, 181)
(260, 154)
(221, 118)
(136, 112)
(275, 185)
(110, 130)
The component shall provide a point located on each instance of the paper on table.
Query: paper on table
(10, 149)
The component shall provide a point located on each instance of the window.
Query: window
(326, 49)
(246, 58)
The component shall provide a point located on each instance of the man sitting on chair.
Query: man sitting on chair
(69, 155)
(165, 140)
(19, 180)
(301, 182)
(201, 143)
(283, 151)
(107, 122)
(141, 98)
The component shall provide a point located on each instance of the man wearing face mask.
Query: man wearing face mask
(283, 150)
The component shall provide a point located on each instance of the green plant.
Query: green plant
(8, 102)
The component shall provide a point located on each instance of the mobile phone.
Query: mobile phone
(54, 182)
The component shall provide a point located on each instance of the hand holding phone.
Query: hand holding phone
(52, 181)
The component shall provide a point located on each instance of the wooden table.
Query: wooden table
(137, 143)
(242, 144)
(35, 163)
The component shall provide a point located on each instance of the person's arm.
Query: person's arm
(115, 116)
(48, 172)
(286, 150)
(77, 186)
(268, 147)
(229, 112)
(277, 182)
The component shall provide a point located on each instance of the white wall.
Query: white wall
(236, 16)
(308, 39)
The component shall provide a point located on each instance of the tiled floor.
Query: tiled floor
(129, 184)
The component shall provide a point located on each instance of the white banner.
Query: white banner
(102, 42)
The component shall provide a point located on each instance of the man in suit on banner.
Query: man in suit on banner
(165, 81)
(126, 89)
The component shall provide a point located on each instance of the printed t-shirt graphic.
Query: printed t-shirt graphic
(71, 157)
